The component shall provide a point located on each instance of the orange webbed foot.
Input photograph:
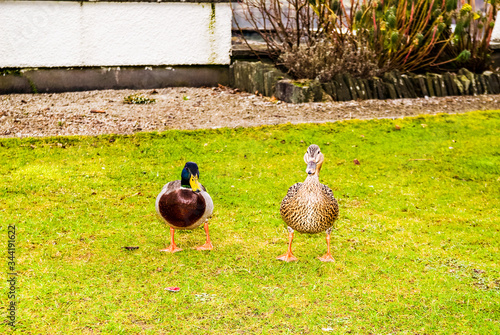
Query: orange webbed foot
(172, 248)
(206, 246)
(327, 258)
(288, 257)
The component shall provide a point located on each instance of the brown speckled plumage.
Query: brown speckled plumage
(310, 207)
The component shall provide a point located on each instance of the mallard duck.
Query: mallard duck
(185, 204)
(309, 207)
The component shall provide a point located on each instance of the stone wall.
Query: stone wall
(257, 77)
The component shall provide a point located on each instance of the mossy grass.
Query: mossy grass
(138, 99)
(416, 244)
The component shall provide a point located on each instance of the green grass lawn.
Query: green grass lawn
(416, 244)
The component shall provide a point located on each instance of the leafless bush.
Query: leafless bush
(310, 38)
(325, 59)
(285, 24)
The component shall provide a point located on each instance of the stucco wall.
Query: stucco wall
(495, 34)
(67, 33)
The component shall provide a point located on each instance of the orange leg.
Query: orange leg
(328, 256)
(172, 248)
(288, 256)
(208, 243)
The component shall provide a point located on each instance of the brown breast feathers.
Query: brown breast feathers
(182, 208)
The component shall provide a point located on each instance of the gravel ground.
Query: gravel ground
(104, 112)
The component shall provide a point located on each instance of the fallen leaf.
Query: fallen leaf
(173, 289)
(356, 162)
(397, 127)
(222, 87)
(97, 111)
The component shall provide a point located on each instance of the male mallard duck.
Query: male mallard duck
(309, 207)
(185, 204)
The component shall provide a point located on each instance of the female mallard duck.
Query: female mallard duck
(309, 207)
(185, 204)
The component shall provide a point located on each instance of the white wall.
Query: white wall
(62, 34)
(495, 34)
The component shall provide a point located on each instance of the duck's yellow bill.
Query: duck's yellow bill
(195, 185)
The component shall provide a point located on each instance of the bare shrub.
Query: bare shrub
(285, 24)
(325, 59)
(311, 38)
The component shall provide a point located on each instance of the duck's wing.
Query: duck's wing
(328, 192)
(292, 191)
(169, 187)
(332, 205)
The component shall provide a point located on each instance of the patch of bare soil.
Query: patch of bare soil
(104, 112)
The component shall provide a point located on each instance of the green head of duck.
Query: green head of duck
(189, 177)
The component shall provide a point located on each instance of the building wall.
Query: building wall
(71, 33)
(495, 35)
